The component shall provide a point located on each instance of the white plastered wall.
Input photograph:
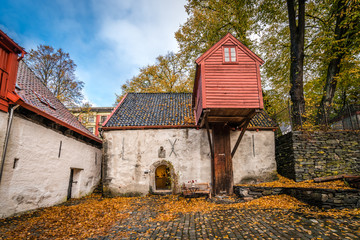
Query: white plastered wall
(130, 155)
(40, 177)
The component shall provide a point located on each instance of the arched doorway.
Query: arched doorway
(162, 178)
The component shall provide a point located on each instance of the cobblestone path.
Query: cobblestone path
(231, 224)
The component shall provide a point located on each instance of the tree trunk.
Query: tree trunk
(297, 33)
(337, 54)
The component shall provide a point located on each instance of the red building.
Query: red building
(227, 95)
(10, 55)
(227, 83)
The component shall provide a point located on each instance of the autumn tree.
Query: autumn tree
(296, 15)
(168, 74)
(342, 23)
(84, 112)
(210, 20)
(56, 70)
(295, 38)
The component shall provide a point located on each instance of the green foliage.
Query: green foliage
(209, 21)
(56, 70)
(168, 74)
(264, 27)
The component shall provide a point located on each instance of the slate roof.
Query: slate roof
(153, 109)
(165, 109)
(35, 94)
(262, 120)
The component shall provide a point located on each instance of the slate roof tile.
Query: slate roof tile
(164, 109)
(34, 93)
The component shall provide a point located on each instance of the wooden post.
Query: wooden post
(223, 171)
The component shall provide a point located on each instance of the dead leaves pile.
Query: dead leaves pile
(286, 202)
(273, 202)
(94, 216)
(169, 207)
(285, 182)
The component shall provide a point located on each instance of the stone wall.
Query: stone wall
(132, 156)
(304, 155)
(324, 198)
(37, 170)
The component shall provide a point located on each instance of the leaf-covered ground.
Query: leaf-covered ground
(285, 182)
(76, 219)
(168, 216)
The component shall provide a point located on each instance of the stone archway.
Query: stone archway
(162, 177)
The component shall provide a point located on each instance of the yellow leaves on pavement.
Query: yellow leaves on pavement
(93, 216)
(285, 182)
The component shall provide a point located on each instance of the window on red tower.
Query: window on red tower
(229, 54)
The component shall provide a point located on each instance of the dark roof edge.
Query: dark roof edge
(149, 127)
(56, 120)
(112, 113)
(176, 127)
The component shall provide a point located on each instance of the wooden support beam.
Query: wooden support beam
(241, 123)
(206, 113)
(240, 137)
(209, 139)
(222, 178)
(225, 119)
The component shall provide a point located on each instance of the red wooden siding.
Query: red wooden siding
(9, 51)
(231, 85)
(199, 101)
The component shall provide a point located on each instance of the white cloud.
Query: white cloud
(139, 31)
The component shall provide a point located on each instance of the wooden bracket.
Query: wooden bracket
(206, 113)
(240, 137)
(209, 138)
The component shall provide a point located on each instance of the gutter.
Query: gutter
(7, 136)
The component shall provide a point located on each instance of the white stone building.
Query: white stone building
(156, 142)
(47, 155)
(152, 145)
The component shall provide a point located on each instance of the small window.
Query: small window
(91, 119)
(83, 119)
(91, 129)
(16, 160)
(229, 54)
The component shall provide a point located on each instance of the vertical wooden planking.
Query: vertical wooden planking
(222, 162)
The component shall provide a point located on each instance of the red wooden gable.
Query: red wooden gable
(9, 52)
(227, 81)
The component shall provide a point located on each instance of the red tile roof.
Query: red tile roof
(38, 98)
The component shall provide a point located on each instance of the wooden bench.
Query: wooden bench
(192, 189)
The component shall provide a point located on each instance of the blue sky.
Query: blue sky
(109, 40)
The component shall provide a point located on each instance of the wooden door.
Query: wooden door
(222, 162)
(71, 180)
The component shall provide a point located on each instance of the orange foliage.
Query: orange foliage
(285, 182)
(94, 216)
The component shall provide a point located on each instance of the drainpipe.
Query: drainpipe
(7, 136)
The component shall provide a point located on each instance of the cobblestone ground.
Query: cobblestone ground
(231, 224)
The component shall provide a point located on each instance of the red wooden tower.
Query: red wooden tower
(227, 94)
(9, 58)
